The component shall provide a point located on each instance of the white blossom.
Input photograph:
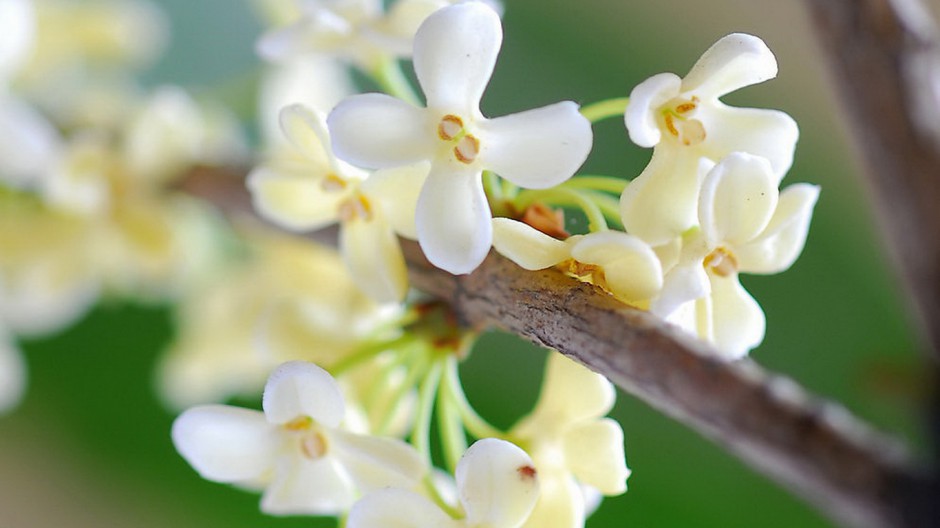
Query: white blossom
(454, 55)
(572, 444)
(685, 122)
(747, 226)
(497, 487)
(296, 450)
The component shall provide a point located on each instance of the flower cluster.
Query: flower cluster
(356, 369)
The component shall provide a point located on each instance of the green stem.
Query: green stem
(603, 109)
(453, 437)
(472, 421)
(391, 79)
(597, 183)
(369, 351)
(415, 371)
(492, 187)
(609, 205)
(421, 435)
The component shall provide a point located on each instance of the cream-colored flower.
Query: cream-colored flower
(747, 226)
(497, 486)
(296, 450)
(685, 122)
(315, 189)
(454, 55)
(572, 444)
(619, 263)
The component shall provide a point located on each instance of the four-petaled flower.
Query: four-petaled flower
(686, 123)
(318, 190)
(572, 444)
(454, 54)
(295, 450)
(746, 226)
(497, 486)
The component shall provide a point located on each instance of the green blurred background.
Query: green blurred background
(90, 444)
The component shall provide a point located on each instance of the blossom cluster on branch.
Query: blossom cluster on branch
(356, 368)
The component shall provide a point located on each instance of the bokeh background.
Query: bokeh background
(90, 446)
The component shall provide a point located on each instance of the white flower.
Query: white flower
(295, 450)
(497, 486)
(318, 190)
(12, 373)
(572, 444)
(746, 226)
(454, 55)
(619, 263)
(686, 123)
(356, 30)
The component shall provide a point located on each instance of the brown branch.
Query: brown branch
(885, 60)
(813, 447)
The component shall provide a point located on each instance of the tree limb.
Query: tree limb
(815, 448)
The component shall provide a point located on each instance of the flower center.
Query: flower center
(677, 119)
(333, 183)
(721, 262)
(356, 206)
(466, 146)
(313, 444)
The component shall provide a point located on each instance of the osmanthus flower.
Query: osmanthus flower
(685, 122)
(315, 189)
(455, 51)
(497, 487)
(576, 450)
(27, 141)
(296, 450)
(289, 299)
(360, 31)
(747, 226)
(617, 262)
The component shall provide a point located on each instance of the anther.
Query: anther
(722, 262)
(301, 423)
(333, 183)
(355, 207)
(313, 446)
(449, 127)
(467, 149)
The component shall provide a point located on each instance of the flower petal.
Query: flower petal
(497, 484)
(737, 200)
(738, 323)
(308, 487)
(526, 246)
(735, 61)
(397, 508)
(374, 462)
(307, 132)
(571, 393)
(396, 191)
(293, 198)
(29, 144)
(594, 453)
(537, 148)
(660, 203)
(632, 270)
(683, 283)
(561, 502)
(455, 51)
(769, 134)
(298, 388)
(782, 241)
(640, 117)
(225, 444)
(16, 39)
(378, 131)
(453, 219)
(373, 255)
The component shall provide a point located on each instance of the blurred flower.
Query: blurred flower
(454, 55)
(686, 123)
(746, 226)
(497, 486)
(571, 443)
(318, 190)
(12, 373)
(290, 299)
(296, 449)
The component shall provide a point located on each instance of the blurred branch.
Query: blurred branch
(815, 448)
(884, 56)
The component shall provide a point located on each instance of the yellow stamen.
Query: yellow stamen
(313, 445)
(467, 149)
(357, 206)
(333, 183)
(449, 127)
(301, 423)
(721, 262)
